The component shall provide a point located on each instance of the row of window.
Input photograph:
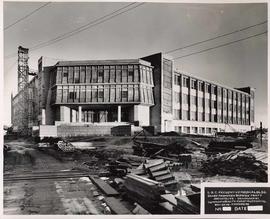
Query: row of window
(109, 93)
(242, 119)
(104, 74)
(195, 130)
(208, 88)
(200, 101)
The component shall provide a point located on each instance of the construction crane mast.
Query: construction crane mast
(23, 68)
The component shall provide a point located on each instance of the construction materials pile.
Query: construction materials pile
(236, 163)
(65, 146)
(221, 145)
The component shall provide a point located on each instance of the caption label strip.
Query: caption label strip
(237, 200)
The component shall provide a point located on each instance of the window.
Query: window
(214, 104)
(200, 103)
(193, 100)
(185, 115)
(194, 130)
(208, 130)
(177, 80)
(185, 82)
(219, 91)
(213, 89)
(185, 99)
(76, 75)
(200, 116)
(124, 94)
(193, 116)
(72, 95)
(100, 94)
(130, 71)
(201, 130)
(207, 88)
(177, 97)
(176, 114)
(207, 103)
(214, 118)
(186, 129)
(200, 86)
(193, 84)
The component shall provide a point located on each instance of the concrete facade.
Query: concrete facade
(147, 91)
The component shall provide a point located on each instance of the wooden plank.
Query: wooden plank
(166, 177)
(169, 198)
(160, 173)
(116, 206)
(103, 186)
(152, 163)
(158, 167)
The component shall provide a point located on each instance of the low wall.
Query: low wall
(47, 131)
(71, 131)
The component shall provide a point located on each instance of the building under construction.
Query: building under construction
(77, 97)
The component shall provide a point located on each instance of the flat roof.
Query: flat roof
(103, 62)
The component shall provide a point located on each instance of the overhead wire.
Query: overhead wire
(82, 28)
(26, 16)
(216, 37)
(222, 45)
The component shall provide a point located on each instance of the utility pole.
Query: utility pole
(261, 132)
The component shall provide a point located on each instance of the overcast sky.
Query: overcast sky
(147, 29)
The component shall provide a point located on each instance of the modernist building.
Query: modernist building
(145, 91)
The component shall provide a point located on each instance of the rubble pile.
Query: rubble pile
(65, 146)
(236, 163)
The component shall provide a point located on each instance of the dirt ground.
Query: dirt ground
(74, 195)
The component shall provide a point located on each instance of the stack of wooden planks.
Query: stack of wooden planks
(158, 170)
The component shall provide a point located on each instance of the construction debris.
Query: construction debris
(139, 209)
(236, 163)
(159, 171)
(221, 145)
(103, 186)
(144, 191)
(116, 206)
(65, 146)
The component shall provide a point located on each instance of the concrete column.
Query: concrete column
(43, 117)
(80, 114)
(119, 114)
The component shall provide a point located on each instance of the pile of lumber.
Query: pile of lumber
(143, 190)
(236, 163)
(159, 171)
(65, 146)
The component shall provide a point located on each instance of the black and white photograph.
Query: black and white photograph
(128, 108)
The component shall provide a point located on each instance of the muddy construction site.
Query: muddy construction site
(122, 175)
